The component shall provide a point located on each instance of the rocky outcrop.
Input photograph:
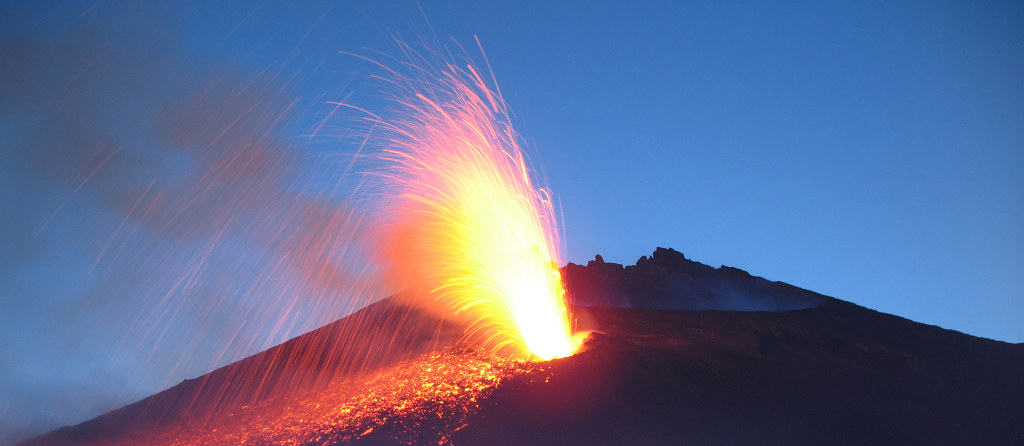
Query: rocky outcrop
(667, 280)
(830, 373)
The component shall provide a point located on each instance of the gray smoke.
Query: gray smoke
(155, 225)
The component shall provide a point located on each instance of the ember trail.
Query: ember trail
(469, 233)
(464, 235)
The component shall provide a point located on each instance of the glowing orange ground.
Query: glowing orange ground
(421, 401)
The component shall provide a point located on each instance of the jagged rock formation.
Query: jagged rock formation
(669, 281)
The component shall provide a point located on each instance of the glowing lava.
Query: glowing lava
(466, 234)
(469, 231)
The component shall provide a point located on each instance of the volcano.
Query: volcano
(679, 353)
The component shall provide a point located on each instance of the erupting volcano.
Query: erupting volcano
(471, 245)
(466, 226)
(804, 369)
(481, 342)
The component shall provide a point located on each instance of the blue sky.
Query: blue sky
(869, 151)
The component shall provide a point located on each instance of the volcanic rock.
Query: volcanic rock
(818, 371)
(669, 281)
(838, 374)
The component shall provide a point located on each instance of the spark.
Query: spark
(469, 229)
(420, 401)
(460, 226)
(75, 191)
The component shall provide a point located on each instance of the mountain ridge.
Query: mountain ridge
(696, 347)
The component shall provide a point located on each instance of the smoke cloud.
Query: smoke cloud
(154, 210)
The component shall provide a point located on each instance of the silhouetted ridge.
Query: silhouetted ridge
(830, 373)
(669, 281)
(836, 374)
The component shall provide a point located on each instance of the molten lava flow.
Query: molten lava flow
(467, 234)
(420, 401)
(470, 231)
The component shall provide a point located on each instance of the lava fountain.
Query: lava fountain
(460, 227)
(470, 235)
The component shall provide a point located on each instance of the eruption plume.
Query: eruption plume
(448, 213)
(469, 233)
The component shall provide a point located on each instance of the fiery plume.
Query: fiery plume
(469, 232)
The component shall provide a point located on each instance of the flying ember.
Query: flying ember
(463, 233)
(469, 234)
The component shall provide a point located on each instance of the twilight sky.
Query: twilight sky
(168, 173)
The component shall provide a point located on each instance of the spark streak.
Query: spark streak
(469, 229)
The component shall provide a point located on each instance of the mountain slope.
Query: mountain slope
(836, 374)
(819, 371)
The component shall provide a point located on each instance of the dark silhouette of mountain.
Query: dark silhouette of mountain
(838, 374)
(669, 281)
(681, 365)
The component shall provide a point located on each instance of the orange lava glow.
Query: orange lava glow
(420, 401)
(470, 232)
(471, 243)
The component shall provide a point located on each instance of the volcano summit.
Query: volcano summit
(680, 353)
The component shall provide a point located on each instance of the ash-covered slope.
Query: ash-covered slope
(827, 372)
(838, 374)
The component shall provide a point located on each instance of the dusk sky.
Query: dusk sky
(869, 151)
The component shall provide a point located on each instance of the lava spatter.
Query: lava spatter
(468, 232)
(420, 401)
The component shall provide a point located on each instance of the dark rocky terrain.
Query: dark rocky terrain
(682, 353)
(837, 374)
(669, 281)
